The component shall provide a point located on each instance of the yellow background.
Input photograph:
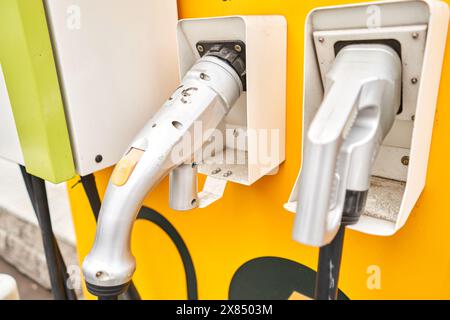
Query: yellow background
(250, 222)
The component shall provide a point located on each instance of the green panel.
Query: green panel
(27, 59)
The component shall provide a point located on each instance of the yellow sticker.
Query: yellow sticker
(125, 167)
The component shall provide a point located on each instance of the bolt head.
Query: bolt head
(99, 158)
(415, 35)
(227, 174)
(405, 160)
(321, 39)
(414, 80)
(238, 48)
(200, 48)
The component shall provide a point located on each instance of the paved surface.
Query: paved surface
(28, 289)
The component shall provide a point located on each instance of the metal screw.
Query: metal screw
(415, 35)
(99, 158)
(200, 48)
(204, 76)
(238, 48)
(227, 174)
(321, 39)
(98, 274)
(216, 171)
(193, 202)
(405, 160)
(414, 80)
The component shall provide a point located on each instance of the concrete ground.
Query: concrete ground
(28, 289)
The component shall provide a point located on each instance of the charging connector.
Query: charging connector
(206, 94)
(362, 95)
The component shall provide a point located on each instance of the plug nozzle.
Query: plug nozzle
(362, 96)
(206, 94)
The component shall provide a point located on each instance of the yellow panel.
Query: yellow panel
(250, 222)
(298, 296)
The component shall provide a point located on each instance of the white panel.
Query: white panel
(9, 139)
(117, 64)
(262, 107)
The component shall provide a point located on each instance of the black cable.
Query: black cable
(70, 293)
(131, 294)
(330, 256)
(327, 277)
(158, 219)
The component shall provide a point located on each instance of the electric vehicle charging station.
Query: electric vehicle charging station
(340, 133)
(222, 85)
(65, 65)
(230, 241)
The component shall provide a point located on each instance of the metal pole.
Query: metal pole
(70, 293)
(90, 188)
